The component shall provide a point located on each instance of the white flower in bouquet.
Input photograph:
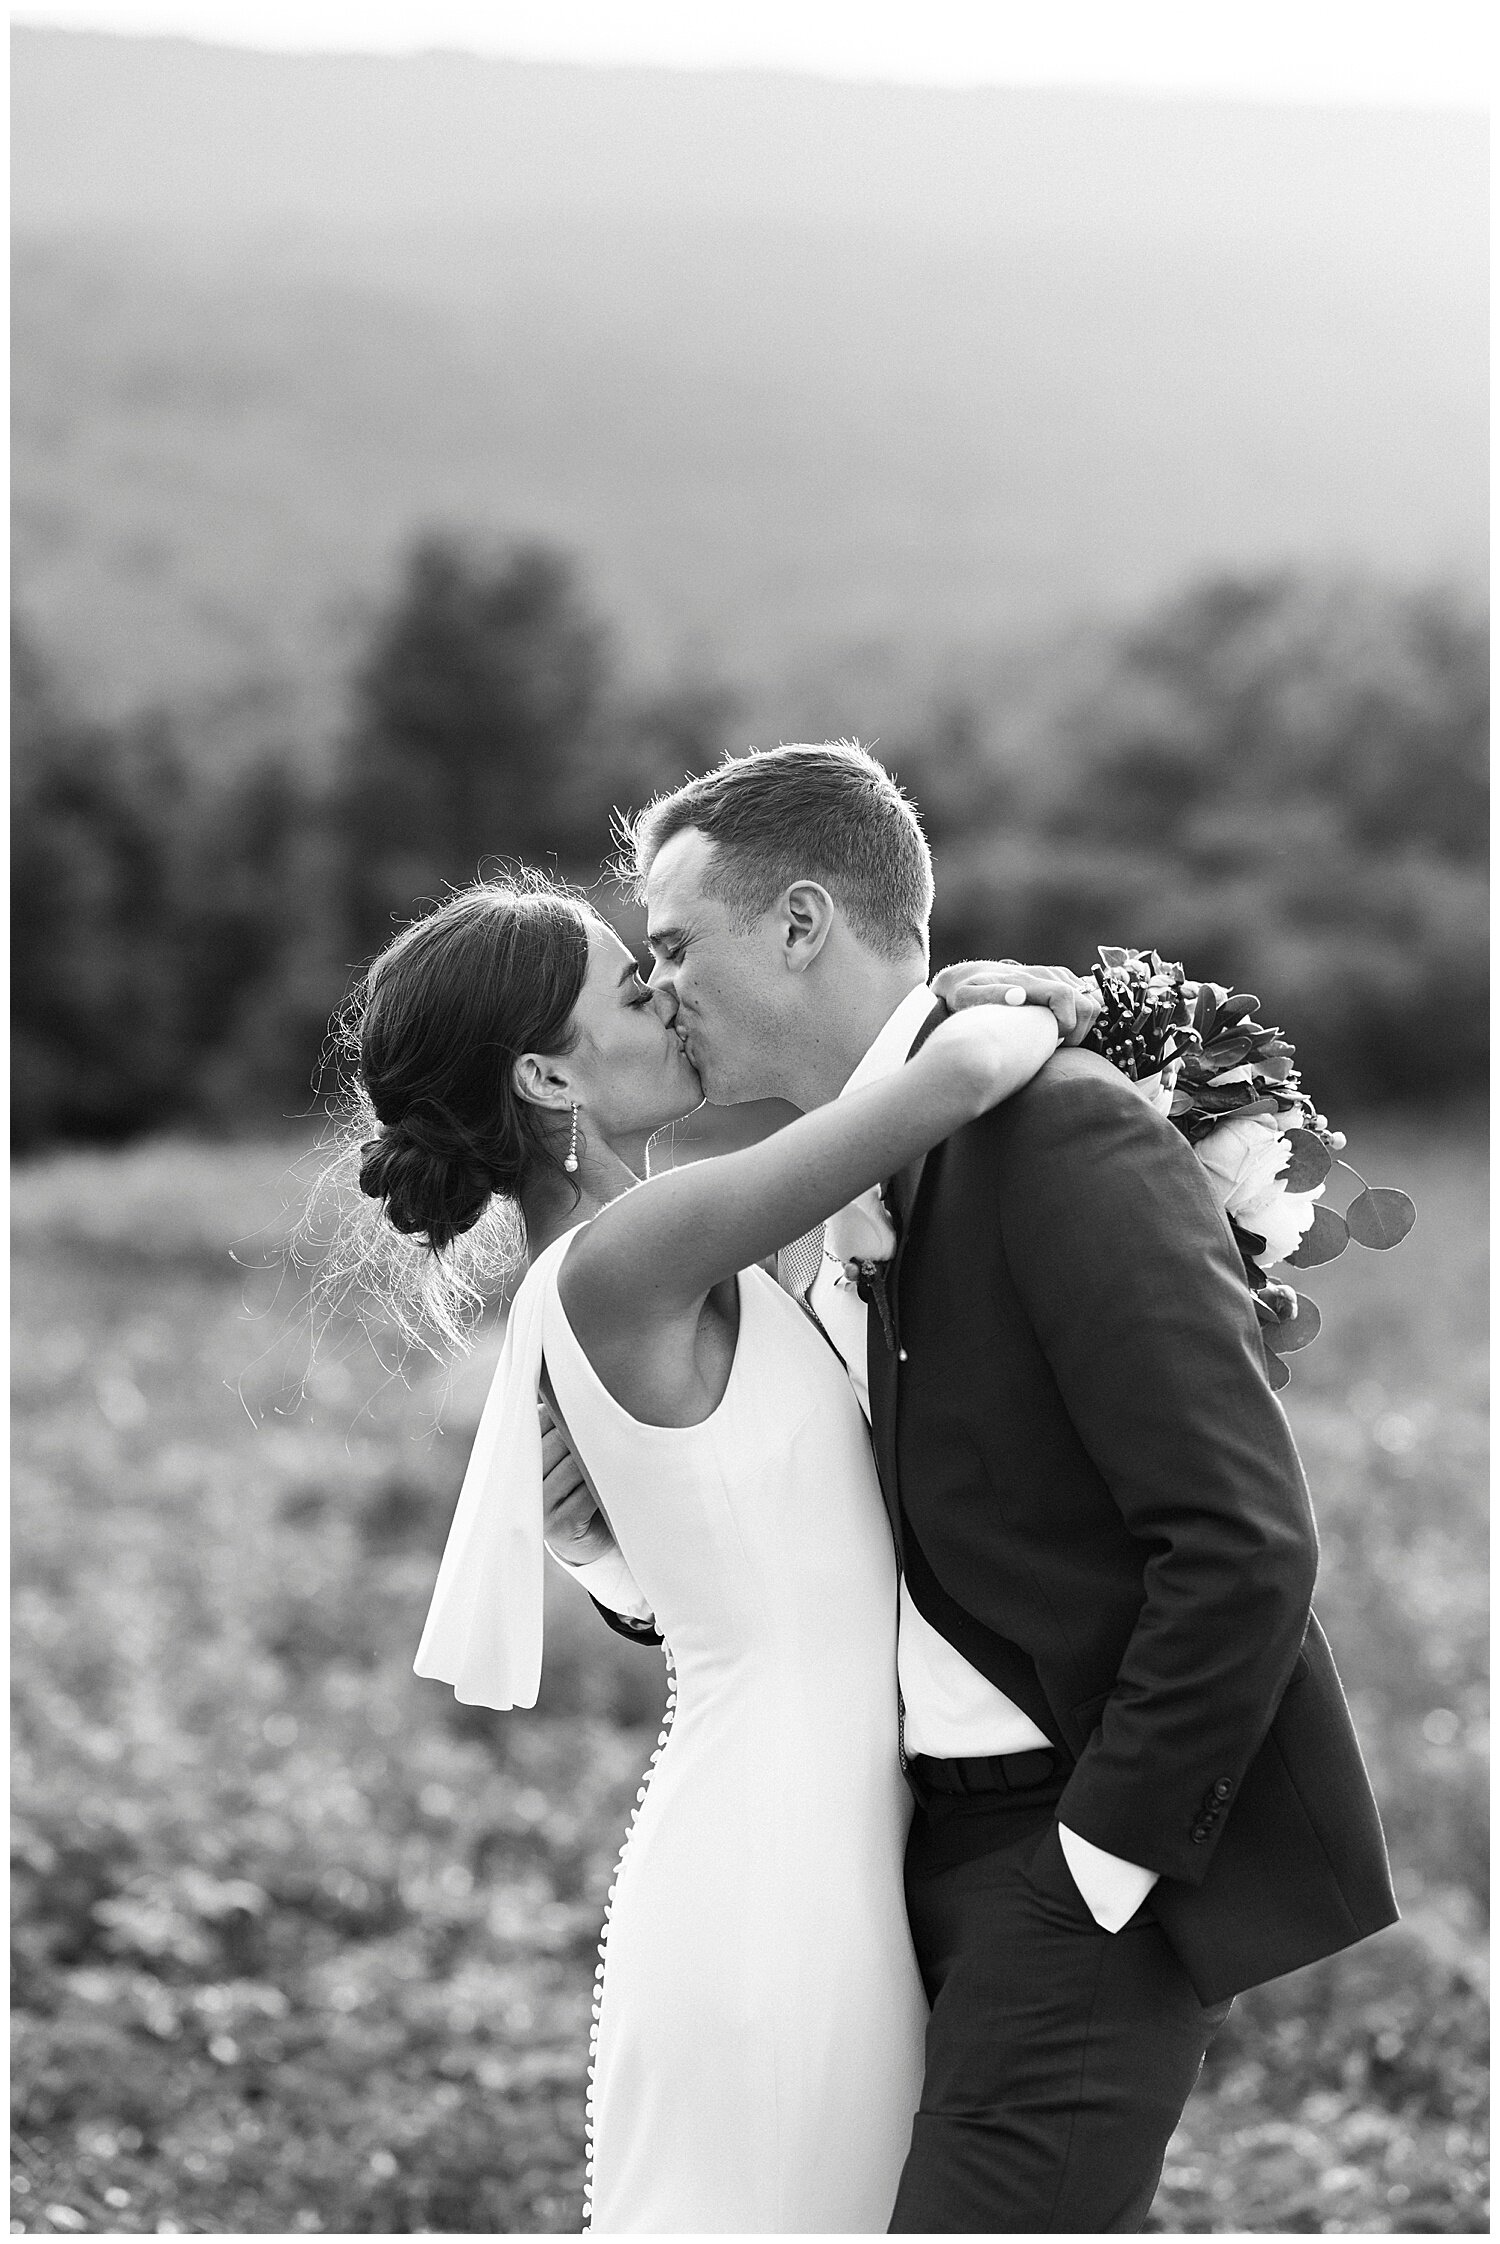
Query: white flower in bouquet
(1245, 1157)
(1157, 1089)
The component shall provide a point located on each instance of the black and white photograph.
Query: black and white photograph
(749, 1279)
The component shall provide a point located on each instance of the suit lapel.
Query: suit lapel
(901, 1198)
(901, 1192)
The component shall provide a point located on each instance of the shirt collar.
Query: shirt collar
(890, 1048)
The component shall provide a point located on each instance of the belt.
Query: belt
(988, 1772)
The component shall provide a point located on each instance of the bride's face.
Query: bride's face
(631, 1072)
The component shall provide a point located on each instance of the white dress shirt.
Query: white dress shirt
(950, 1710)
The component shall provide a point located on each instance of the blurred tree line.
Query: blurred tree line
(1281, 781)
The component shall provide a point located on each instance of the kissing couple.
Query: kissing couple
(1004, 1748)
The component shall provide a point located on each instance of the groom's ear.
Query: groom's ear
(807, 915)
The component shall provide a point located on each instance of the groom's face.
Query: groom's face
(723, 988)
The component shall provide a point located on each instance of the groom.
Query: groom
(1137, 1787)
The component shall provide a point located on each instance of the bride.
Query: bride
(759, 2015)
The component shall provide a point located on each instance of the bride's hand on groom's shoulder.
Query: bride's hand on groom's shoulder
(1073, 999)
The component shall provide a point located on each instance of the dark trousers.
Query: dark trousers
(1059, 2057)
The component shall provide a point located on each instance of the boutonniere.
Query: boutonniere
(862, 1238)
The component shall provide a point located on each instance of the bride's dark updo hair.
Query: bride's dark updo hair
(444, 1012)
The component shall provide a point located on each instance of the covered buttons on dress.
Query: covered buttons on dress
(599, 1974)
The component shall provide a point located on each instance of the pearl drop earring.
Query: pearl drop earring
(571, 1162)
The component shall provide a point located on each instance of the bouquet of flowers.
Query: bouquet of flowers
(1230, 1085)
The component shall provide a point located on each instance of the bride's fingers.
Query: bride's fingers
(960, 986)
(1086, 1005)
(1072, 998)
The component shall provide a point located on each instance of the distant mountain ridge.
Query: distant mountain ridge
(796, 368)
(159, 130)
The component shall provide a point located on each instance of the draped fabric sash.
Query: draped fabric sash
(484, 1625)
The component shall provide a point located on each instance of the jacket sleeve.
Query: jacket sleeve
(638, 1632)
(612, 1590)
(1134, 1288)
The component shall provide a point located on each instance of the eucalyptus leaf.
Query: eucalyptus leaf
(1311, 1161)
(1265, 1104)
(1229, 1051)
(1381, 1216)
(1279, 1374)
(1324, 1241)
(1225, 1098)
(1295, 1332)
(1205, 1011)
(1239, 1007)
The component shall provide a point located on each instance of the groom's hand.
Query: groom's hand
(1074, 998)
(573, 1526)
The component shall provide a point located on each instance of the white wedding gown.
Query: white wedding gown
(759, 2023)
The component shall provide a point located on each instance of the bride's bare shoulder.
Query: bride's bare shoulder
(604, 1278)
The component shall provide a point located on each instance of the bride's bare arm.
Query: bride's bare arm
(653, 1254)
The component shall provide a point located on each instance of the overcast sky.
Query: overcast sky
(1404, 52)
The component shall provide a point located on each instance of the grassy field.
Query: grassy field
(304, 1946)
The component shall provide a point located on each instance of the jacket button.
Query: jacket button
(1222, 1788)
(1199, 1834)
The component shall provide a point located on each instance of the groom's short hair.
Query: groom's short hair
(828, 813)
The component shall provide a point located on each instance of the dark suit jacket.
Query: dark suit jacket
(1098, 1501)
